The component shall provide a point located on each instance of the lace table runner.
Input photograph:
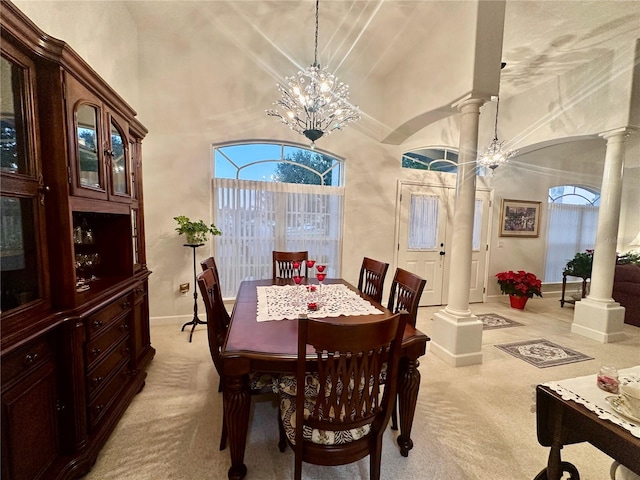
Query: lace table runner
(584, 391)
(278, 302)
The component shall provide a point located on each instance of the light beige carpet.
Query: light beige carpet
(473, 422)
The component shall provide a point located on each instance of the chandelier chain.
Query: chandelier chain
(315, 51)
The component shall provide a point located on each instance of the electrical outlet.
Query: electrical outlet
(184, 288)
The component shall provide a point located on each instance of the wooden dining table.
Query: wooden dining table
(271, 346)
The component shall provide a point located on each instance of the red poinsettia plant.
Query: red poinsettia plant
(520, 283)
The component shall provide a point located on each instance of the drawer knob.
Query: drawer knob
(96, 351)
(29, 358)
(97, 380)
(125, 305)
(99, 408)
(97, 323)
(124, 327)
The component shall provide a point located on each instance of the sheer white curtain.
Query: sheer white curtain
(423, 222)
(570, 229)
(258, 217)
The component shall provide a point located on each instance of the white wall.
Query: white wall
(187, 104)
(102, 33)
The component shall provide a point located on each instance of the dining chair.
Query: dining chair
(283, 264)
(210, 263)
(371, 280)
(340, 415)
(406, 290)
(217, 325)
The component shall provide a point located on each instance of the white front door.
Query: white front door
(425, 232)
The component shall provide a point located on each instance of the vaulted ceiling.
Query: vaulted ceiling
(418, 55)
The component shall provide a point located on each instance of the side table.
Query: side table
(195, 321)
(566, 274)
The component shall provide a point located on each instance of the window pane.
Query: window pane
(274, 197)
(18, 253)
(13, 146)
(477, 225)
(571, 228)
(435, 159)
(423, 222)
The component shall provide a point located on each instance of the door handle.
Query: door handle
(442, 252)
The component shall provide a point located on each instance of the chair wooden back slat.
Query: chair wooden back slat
(371, 279)
(283, 264)
(349, 359)
(406, 290)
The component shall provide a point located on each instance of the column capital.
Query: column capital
(622, 132)
(476, 102)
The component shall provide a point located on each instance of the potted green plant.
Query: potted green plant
(520, 286)
(196, 232)
(581, 264)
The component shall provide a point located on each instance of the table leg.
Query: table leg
(555, 465)
(237, 405)
(408, 386)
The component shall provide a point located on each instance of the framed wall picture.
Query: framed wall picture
(519, 218)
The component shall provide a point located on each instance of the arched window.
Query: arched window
(571, 226)
(434, 159)
(273, 196)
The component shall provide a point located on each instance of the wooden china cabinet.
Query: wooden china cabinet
(74, 321)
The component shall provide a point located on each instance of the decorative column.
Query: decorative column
(457, 334)
(598, 316)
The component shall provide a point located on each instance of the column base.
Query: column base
(601, 321)
(457, 338)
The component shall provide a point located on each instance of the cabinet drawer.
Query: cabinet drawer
(25, 359)
(100, 375)
(99, 347)
(99, 321)
(104, 400)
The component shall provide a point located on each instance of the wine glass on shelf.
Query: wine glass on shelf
(80, 266)
(95, 261)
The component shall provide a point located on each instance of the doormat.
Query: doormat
(491, 321)
(543, 353)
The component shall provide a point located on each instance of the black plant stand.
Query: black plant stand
(196, 320)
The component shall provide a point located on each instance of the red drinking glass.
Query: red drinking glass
(321, 276)
(310, 263)
(297, 279)
(321, 268)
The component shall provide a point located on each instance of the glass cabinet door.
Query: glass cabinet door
(118, 154)
(133, 169)
(18, 259)
(87, 125)
(22, 250)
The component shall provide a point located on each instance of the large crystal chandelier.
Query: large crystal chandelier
(494, 155)
(314, 103)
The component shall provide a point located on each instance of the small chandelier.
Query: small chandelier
(313, 102)
(494, 156)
